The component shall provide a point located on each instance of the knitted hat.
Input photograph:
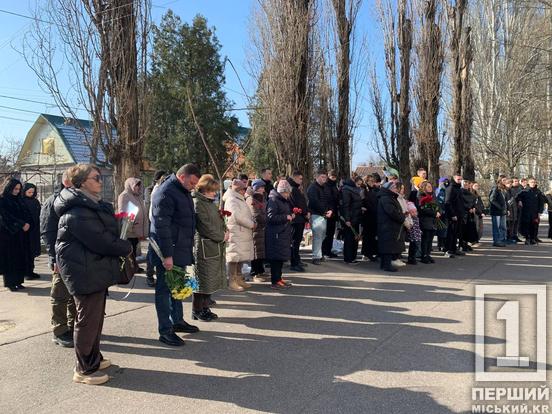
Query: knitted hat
(284, 187)
(238, 185)
(258, 183)
(443, 179)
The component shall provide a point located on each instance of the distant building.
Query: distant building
(53, 144)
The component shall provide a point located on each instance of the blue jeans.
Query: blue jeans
(499, 229)
(318, 226)
(169, 310)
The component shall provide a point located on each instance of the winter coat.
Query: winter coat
(391, 218)
(174, 221)
(512, 204)
(469, 201)
(318, 201)
(132, 194)
(370, 216)
(427, 215)
(549, 202)
(15, 252)
(210, 265)
(498, 202)
(454, 201)
(278, 229)
(88, 247)
(49, 221)
(257, 204)
(240, 224)
(351, 206)
(298, 200)
(33, 207)
(479, 206)
(533, 201)
(332, 196)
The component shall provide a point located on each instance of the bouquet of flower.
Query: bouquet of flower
(180, 283)
(126, 219)
(355, 233)
(297, 211)
(428, 202)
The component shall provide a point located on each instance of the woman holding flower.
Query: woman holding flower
(429, 216)
(210, 238)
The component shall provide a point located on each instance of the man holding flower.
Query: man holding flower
(173, 227)
(300, 209)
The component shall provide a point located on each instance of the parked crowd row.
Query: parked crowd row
(258, 224)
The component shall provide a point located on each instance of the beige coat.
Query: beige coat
(240, 225)
(133, 194)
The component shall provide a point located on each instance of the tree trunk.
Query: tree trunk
(403, 135)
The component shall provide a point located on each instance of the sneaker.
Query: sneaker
(260, 278)
(316, 262)
(398, 263)
(459, 253)
(412, 262)
(450, 255)
(425, 260)
(287, 283)
(353, 263)
(104, 364)
(333, 256)
(65, 340)
(150, 281)
(96, 378)
(280, 285)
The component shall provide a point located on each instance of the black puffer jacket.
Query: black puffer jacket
(298, 200)
(428, 216)
(351, 206)
(278, 229)
(49, 221)
(391, 230)
(332, 196)
(318, 199)
(454, 201)
(88, 245)
(469, 201)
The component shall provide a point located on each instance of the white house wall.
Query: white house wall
(33, 155)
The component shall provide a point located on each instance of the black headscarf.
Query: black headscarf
(7, 192)
(26, 187)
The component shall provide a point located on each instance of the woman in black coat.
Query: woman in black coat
(429, 212)
(391, 233)
(15, 253)
(278, 232)
(33, 207)
(351, 215)
(370, 217)
(88, 251)
(531, 200)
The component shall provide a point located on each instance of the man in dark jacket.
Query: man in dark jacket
(454, 209)
(351, 214)
(514, 192)
(173, 228)
(298, 202)
(532, 201)
(320, 212)
(63, 305)
(266, 176)
(370, 218)
(332, 198)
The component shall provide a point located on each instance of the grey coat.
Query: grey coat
(209, 248)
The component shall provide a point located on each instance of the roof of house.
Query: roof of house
(74, 133)
(365, 170)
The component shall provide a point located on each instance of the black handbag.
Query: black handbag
(128, 269)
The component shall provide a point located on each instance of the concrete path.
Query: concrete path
(342, 340)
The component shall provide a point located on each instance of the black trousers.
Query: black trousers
(385, 261)
(200, 301)
(427, 242)
(350, 244)
(453, 232)
(412, 250)
(550, 224)
(327, 244)
(369, 241)
(276, 270)
(257, 267)
(88, 330)
(296, 239)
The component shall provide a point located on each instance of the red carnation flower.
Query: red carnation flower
(297, 210)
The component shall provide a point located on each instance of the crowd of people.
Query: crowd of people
(256, 224)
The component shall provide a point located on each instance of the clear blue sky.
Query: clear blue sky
(229, 17)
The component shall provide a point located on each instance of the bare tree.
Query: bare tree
(429, 59)
(394, 131)
(102, 46)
